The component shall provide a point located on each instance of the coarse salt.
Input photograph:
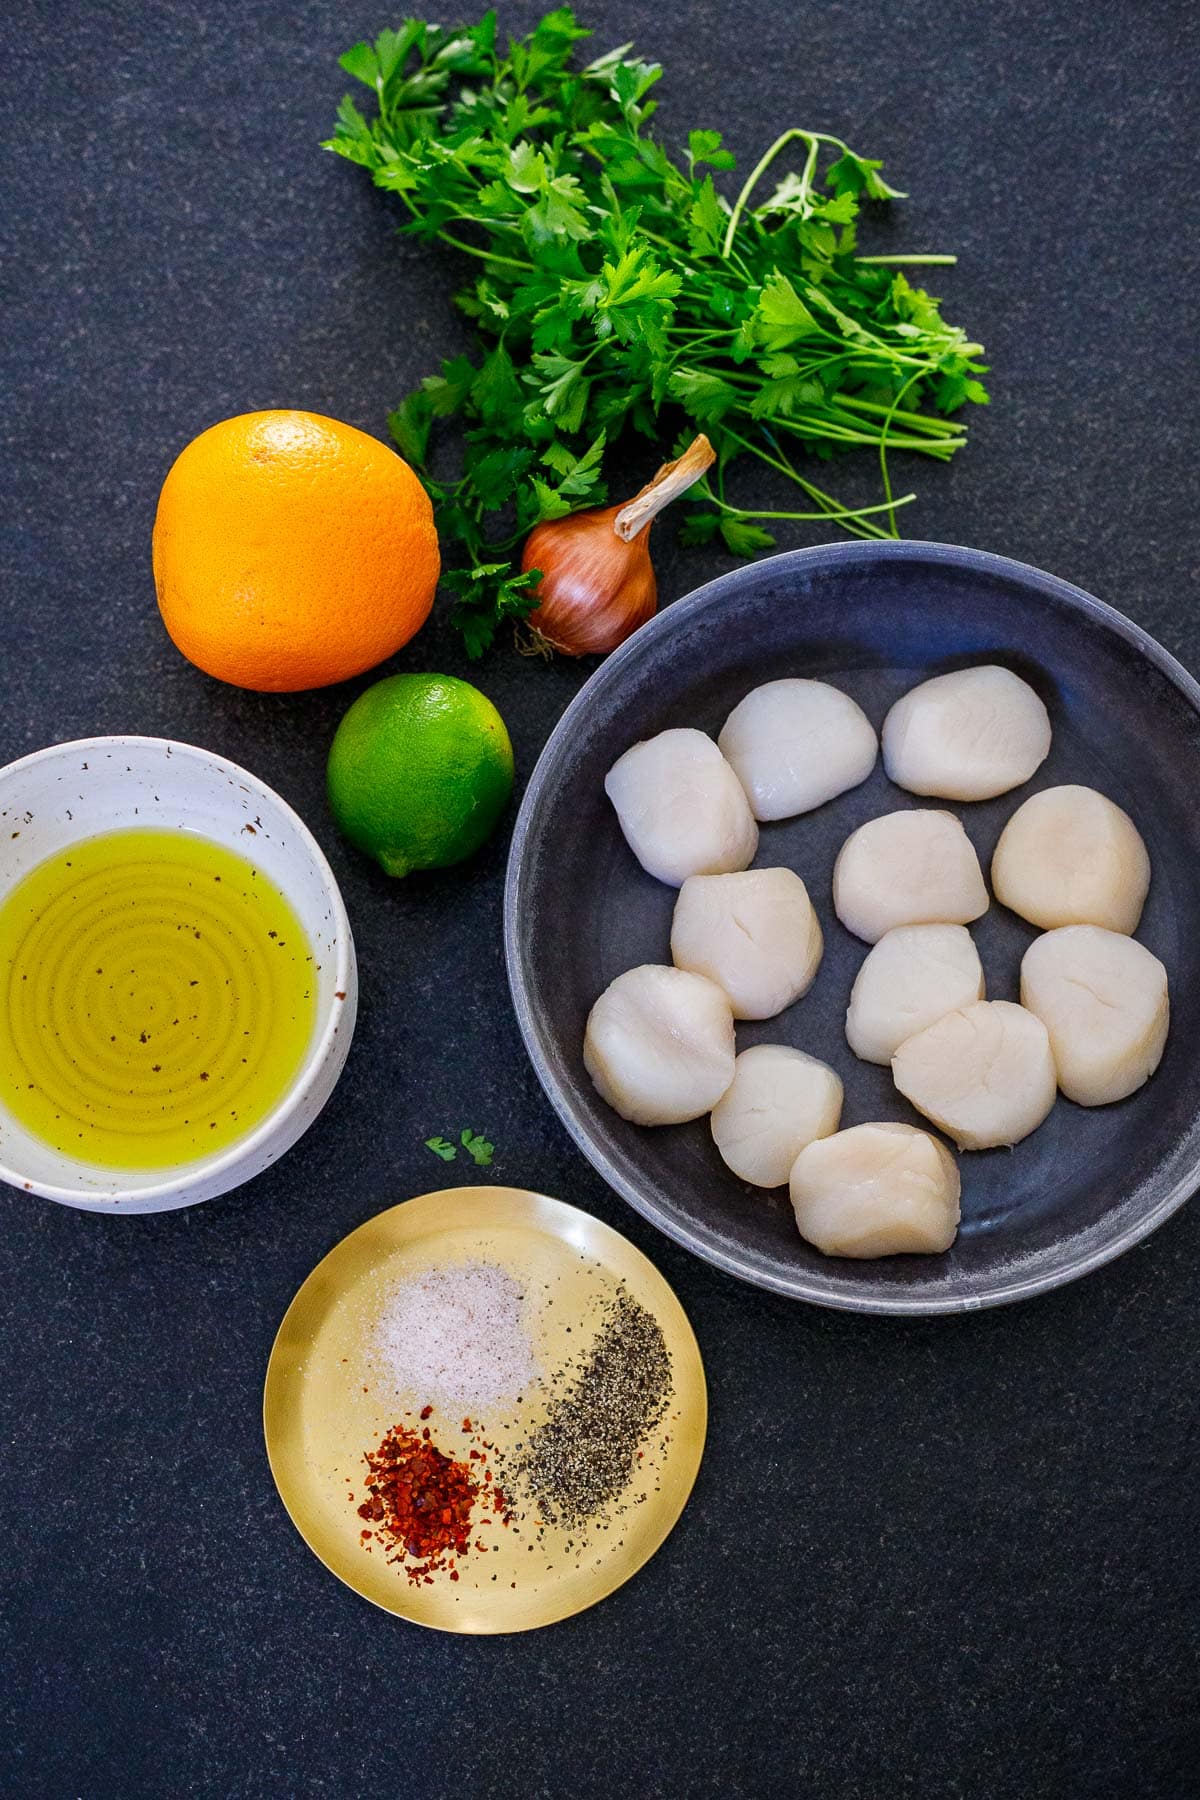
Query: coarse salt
(455, 1335)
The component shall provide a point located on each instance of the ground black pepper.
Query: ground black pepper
(584, 1455)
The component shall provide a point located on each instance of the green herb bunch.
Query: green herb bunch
(617, 290)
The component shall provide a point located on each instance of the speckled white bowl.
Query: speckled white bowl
(73, 791)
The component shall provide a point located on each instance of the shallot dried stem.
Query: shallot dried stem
(673, 479)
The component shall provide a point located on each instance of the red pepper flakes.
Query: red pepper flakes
(427, 1412)
(421, 1502)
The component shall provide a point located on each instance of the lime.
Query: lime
(419, 771)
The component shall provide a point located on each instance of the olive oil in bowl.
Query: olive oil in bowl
(157, 999)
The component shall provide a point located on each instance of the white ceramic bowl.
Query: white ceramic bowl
(73, 791)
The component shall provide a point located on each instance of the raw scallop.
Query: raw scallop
(966, 736)
(779, 1101)
(984, 1074)
(913, 976)
(907, 868)
(755, 934)
(1069, 856)
(1103, 999)
(795, 744)
(659, 1045)
(681, 807)
(876, 1190)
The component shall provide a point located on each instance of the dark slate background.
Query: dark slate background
(921, 1559)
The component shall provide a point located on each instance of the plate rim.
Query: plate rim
(479, 1192)
(1001, 1291)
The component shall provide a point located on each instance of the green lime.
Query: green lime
(419, 772)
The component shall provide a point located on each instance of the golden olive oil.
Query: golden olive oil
(157, 997)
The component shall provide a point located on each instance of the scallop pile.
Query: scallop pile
(747, 943)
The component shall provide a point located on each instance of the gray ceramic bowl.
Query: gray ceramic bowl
(874, 619)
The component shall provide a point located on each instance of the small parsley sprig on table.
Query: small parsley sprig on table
(617, 290)
(474, 1143)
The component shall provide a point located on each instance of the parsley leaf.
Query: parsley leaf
(743, 538)
(478, 1148)
(488, 594)
(705, 147)
(474, 1143)
(410, 424)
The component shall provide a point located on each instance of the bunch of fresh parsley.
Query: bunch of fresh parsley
(615, 285)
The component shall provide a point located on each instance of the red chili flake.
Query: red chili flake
(427, 1412)
(420, 1502)
(467, 1425)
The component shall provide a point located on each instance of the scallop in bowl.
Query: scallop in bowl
(874, 620)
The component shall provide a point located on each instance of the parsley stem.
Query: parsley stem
(845, 512)
(759, 170)
(937, 427)
(509, 262)
(908, 261)
(883, 450)
(826, 501)
(814, 426)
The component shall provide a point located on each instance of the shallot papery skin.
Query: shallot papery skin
(597, 581)
(595, 589)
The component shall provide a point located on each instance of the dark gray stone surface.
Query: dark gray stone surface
(932, 1559)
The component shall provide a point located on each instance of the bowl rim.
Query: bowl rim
(205, 1168)
(1000, 1290)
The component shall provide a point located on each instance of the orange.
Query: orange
(291, 551)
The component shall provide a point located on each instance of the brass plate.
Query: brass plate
(320, 1411)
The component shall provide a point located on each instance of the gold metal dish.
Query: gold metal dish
(325, 1404)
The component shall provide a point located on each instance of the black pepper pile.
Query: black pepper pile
(584, 1456)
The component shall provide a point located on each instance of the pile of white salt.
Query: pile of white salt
(456, 1336)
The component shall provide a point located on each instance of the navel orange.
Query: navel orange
(291, 551)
